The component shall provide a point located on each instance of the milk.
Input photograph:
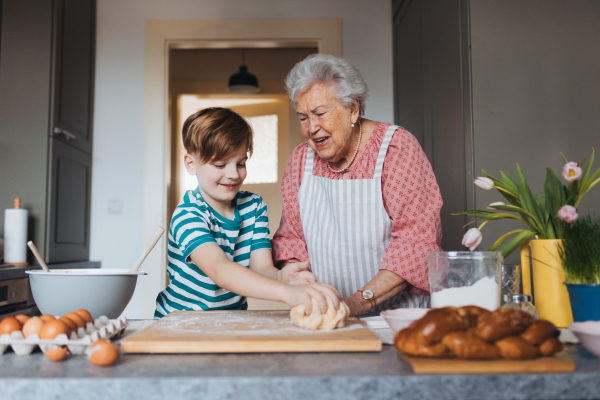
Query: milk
(484, 293)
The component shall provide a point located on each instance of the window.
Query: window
(262, 166)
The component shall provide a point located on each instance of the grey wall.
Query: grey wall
(432, 98)
(25, 84)
(536, 92)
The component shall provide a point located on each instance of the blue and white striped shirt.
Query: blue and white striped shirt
(195, 223)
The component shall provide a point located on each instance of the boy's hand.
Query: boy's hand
(305, 293)
(303, 278)
(297, 274)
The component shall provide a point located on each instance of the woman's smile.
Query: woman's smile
(321, 142)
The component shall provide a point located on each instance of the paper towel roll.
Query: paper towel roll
(15, 236)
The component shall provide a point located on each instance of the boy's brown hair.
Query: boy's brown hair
(215, 134)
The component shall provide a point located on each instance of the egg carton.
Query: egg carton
(76, 342)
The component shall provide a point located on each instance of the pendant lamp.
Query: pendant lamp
(243, 82)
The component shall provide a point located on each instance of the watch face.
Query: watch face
(367, 294)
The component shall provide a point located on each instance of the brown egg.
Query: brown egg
(103, 353)
(85, 314)
(47, 317)
(9, 325)
(77, 319)
(57, 354)
(52, 329)
(22, 318)
(69, 322)
(33, 326)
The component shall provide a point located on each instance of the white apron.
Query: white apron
(347, 230)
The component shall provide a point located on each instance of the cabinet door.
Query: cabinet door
(70, 184)
(74, 77)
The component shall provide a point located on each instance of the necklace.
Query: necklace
(339, 171)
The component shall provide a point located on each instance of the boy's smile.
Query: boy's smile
(219, 180)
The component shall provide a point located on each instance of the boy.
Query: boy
(219, 249)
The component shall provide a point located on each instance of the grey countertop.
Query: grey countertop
(380, 375)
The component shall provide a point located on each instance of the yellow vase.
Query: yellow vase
(550, 294)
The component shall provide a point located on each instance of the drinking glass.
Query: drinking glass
(511, 282)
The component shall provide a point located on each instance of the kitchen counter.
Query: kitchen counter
(380, 375)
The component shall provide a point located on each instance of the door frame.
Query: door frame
(162, 35)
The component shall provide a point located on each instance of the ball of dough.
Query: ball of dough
(330, 320)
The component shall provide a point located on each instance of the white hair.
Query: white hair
(346, 81)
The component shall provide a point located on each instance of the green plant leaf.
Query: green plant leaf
(501, 186)
(511, 199)
(502, 238)
(513, 209)
(587, 183)
(580, 251)
(530, 204)
(564, 158)
(553, 189)
(586, 173)
(516, 242)
(475, 212)
(513, 185)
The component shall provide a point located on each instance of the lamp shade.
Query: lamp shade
(243, 82)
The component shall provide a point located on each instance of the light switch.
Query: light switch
(115, 206)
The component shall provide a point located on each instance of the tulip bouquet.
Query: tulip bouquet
(546, 216)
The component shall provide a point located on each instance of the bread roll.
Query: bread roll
(406, 342)
(551, 346)
(540, 331)
(436, 323)
(502, 323)
(475, 333)
(513, 347)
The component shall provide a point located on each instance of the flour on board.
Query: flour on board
(239, 323)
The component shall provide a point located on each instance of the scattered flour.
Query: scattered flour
(484, 293)
(242, 323)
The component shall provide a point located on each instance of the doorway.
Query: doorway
(198, 79)
(162, 37)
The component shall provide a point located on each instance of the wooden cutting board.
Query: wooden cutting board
(245, 332)
(421, 365)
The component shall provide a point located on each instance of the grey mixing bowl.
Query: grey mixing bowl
(100, 291)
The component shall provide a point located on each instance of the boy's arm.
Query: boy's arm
(261, 261)
(240, 280)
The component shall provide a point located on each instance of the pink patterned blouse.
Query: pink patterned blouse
(411, 198)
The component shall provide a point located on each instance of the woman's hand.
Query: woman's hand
(357, 305)
(297, 274)
(384, 285)
(304, 294)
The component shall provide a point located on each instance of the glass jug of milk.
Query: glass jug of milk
(463, 278)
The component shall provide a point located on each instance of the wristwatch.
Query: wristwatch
(368, 295)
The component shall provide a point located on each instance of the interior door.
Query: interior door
(75, 51)
(70, 184)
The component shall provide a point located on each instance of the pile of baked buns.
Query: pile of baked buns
(473, 332)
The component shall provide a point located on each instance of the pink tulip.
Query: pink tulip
(571, 172)
(484, 183)
(472, 238)
(568, 214)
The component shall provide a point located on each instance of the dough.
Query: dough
(330, 320)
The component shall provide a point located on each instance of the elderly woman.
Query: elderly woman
(361, 202)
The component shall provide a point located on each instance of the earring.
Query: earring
(352, 125)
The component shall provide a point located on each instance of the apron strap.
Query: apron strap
(310, 157)
(383, 151)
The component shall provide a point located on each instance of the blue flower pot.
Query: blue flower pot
(585, 301)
